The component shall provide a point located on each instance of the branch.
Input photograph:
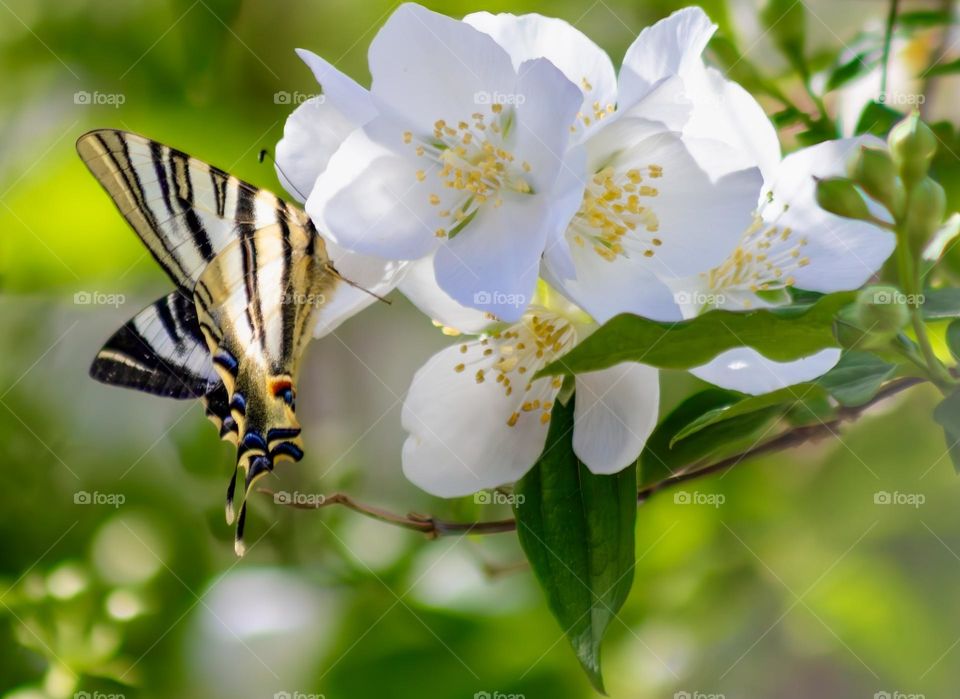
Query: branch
(434, 527)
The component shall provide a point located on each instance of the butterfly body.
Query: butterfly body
(252, 277)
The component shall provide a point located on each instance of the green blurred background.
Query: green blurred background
(798, 585)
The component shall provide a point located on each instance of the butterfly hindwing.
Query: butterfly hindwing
(161, 350)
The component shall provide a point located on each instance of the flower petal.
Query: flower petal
(746, 370)
(493, 264)
(365, 200)
(459, 437)
(340, 90)
(604, 289)
(550, 103)
(672, 46)
(427, 66)
(534, 36)
(616, 410)
(312, 134)
(419, 284)
(843, 254)
(723, 111)
(373, 275)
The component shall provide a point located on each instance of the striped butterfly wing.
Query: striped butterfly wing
(184, 210)
(160, 351)
(262, 292)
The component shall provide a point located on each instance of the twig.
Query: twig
(434, 527)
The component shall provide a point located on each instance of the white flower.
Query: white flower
(658, 201)
(476, 419)
(460, 161)
(313, 132)
(791, 242)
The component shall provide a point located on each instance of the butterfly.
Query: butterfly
(252, 278)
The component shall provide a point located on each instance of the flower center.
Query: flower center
(512, 356)
(597, 111)
(615, 218)
(764, 260)
(470, 165)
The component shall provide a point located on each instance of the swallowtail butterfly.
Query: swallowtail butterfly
(251, 276)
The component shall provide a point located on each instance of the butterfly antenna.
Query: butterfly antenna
(358, 286)
(264, 153)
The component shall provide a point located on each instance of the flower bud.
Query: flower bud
(881, 311)
(839, 196)
(874, 170)
(928, 204)
(912, 145)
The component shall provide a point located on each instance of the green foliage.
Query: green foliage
(577, 531)
(781, 334)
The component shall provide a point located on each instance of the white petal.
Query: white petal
(373, 274)
(493, 264)
(746, 370)
(534, 36)
(604, 289)
(672, 46)
(427, 66)
(419, 284)
(843, 253)
(311, 136)
(340, 90)
(616, 410)
(369, 201)
(550, 103)
(700, 219)
(724, 111)
(567, 196)
(459, 440)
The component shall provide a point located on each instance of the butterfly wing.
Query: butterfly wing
(184, 210)
(161, 350)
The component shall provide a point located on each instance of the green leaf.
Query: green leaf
(947, 415)
(785, 20)
(943, 69)
(577, 531)
(781, 334)
(783, 399)
(856, 378)
(877, 119)
(849, 71)
(953, 338)
(657, 462)
(939, 304)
